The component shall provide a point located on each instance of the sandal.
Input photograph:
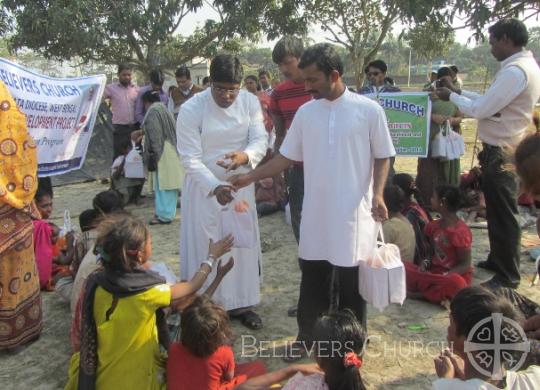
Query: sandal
(250, 320)
(157, 221)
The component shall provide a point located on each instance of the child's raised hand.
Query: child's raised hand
(219, 248)
(224, 270)
(457, 362)
(444, 367)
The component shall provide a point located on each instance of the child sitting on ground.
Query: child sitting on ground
(88, 220)
(104, 203)
(473, 314)
(474, 203)
(449, 269)
(123, 322)
(397, 229)
(204, 358)
(527, 160)
(268, 196)
(128, 187)
(337, 343)
(417, 216)
(46, 235)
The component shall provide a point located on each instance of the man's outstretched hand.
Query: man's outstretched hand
(233, 160)
(240, 181)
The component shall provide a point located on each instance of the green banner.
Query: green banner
(409, 117)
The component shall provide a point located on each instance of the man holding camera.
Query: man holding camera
(504, 112)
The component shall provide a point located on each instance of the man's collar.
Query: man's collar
(514, 56)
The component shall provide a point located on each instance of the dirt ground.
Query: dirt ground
(399, 356)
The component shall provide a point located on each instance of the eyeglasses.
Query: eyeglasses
(225, 91)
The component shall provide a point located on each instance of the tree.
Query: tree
(430, 39)
(361, 26)
(142, 32)
(476, 14)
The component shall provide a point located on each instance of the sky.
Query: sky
(206, 12)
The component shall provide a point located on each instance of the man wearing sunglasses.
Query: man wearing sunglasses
(220, 131)
(378, 81)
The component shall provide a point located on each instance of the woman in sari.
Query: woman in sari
(161, 157)
(20, 300)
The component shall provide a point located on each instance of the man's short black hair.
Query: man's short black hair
(226, 68)
(454, 69)
(156, 77)
(379, 64)
(514, 30)
(324, 56)
(183, 71)
(287, 46)
(123, 66)
(264, 73)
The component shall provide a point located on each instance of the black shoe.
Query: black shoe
(487, 265)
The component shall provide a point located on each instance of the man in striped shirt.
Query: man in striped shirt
(286, 99)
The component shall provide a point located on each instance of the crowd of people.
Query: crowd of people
(238, 153)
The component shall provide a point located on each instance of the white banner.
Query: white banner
(60, 114)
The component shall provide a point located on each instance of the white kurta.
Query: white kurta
(338, 142)
(205, 133)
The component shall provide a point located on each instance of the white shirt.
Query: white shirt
(505, 111)
(338, 142)
(508, 84)
(206, 132)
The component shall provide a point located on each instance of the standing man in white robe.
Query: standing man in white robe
(221, 130)
(344, 142)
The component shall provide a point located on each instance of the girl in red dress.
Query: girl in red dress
(449, 268)
(204, 358)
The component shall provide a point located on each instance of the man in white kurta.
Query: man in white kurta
(343, 140)
(206, 132)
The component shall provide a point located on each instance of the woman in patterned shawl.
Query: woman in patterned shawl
(20, 300)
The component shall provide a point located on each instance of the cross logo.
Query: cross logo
(496, 343)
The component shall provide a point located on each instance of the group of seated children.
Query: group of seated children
(443, 266)
(125, 343)
(124, 338)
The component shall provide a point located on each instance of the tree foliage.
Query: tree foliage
(476, 14)
(143, 32)
(361, 26)
(430, 40)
